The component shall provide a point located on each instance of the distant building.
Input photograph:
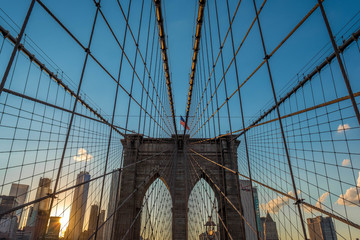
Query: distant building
(38, 214)
(7, 203)
(23, 235)
(115, 184)
(8, 223)
(93, 218)
(269, 228)
(321, 228)
(100, 235)
(53, 229)
(84, 235)
(78, 207)
(248, 209)
(19, 191)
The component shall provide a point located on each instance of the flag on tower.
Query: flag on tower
(182, 122)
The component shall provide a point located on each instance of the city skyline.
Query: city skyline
(172, 112)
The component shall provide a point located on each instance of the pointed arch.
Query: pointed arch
(203, 206)
(156, 210)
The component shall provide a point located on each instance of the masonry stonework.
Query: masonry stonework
(174, 161)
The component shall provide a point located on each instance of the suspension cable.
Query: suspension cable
(160, 20)
(194, 58)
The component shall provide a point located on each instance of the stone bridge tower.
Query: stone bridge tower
(174, 163)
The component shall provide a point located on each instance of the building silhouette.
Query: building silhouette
(100, 235)
(321, 228)
(248, 208)
(115, 184)
(8, 223)
(269, 228)
(38, 215)
(78, 207)
(93, 219)
(19, 191)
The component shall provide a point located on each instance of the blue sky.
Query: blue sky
(305, 49)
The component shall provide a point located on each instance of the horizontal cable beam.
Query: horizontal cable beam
(241, 131)
(160, 22)
(21, 95)
(194, 58)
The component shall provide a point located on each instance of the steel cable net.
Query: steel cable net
(62, 122)
(290, 96)
(281, 78)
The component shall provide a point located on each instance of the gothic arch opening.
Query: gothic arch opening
(156, 214)
(203, 212)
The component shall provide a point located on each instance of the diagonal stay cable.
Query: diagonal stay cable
(346, 221)
(153, 171)
(262, 63)
(133, 67)
(78, 185)
(222, 193)
(214, 65)
(218, 56)
(114, 127)
(308, 77)
(53, 76)
(301, 83)
(98, 62)
(142, 58)
(217, 212)
(168, 167)
(241, 131)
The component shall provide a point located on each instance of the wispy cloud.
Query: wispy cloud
(274, 205)
(319, 202)
(82, 155)
(351, 196)
(342, 128)
(345, 162)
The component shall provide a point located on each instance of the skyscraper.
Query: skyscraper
(112, 203)
(20, 192)
(248, 208)
(269, 228)
(93, 218)
(38, 216)
(321, 228)
(78, 207)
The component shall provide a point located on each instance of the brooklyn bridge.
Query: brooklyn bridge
(183, 120)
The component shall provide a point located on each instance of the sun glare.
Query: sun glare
(64, 221)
